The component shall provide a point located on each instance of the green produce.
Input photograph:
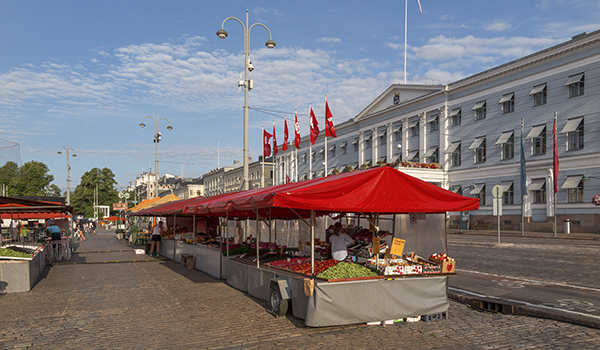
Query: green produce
(346, 270)
(13, 254)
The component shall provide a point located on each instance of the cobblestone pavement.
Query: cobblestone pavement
(158, 304)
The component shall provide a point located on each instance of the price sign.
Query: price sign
(119, 206)
(397, 247)
(376, 241)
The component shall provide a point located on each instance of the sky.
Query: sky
(84, 74)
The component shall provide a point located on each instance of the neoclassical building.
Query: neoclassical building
(471, 130)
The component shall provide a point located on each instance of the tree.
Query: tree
(83, 197)
(31, 179)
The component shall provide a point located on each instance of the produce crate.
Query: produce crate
(435, 317)
(447, 267)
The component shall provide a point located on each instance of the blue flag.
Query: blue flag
(523, 173)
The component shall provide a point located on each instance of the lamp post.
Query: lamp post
(157, 138)
(67, 149)
(247, 83)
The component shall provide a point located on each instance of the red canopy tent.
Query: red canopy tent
(19, 208)
(383, 190)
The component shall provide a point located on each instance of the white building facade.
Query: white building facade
(466, 137)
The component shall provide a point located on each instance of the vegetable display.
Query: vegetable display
(346, 270)
(302, 265)
(13, 254)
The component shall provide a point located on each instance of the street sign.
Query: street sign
(119, 206)
(497, 191)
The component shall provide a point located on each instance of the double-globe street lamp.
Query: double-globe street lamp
(67, 149)
(247, 83)
(157, 138)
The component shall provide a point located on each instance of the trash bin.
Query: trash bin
(567, 226)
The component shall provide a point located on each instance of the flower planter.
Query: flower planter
(21, 275)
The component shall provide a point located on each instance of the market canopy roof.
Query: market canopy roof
(378, 190)
(19, 208)
(144, 204)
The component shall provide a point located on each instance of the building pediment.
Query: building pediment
(396, 95)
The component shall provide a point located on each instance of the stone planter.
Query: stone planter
(21, 275)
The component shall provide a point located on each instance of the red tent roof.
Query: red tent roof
(378, 190)
(174, 207)
(31, 209)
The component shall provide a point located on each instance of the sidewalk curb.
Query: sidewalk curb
(522, 309)
(526, 235)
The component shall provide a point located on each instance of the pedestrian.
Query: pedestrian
(339, 240)
(94, 227)
(155, 238)
(54, 232)
(81, 229)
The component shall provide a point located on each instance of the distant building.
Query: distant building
(229, 178)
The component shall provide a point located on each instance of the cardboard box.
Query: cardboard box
(447, 266)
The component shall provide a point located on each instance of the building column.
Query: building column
(389, 155)
(422, 136)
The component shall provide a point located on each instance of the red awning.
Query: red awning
(11, 207)
(175, 207)
(382, 190)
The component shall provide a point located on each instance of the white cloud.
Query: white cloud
(496, 26)
(329, 40)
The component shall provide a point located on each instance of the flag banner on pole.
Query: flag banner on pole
(329, 129)
(555, 159)
(285, 135)
(274, 141)
(296, 132)
(523, 173)
(266, 143)
(287, 179)
(314, 127)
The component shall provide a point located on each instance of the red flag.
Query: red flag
(285, 135)
(329, 129)
(274, 141)
(555, 160)
(314, 127)
(297, 132)
(266, 143)
(287, 179)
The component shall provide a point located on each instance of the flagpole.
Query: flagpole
(310, 147)
(523, 179)
(555, 169)
(326, 125)
(262, 177)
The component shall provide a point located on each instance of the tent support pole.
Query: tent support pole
(270, 229)
(257, 240)
(312, 244)
(194, 223)
(227, 231)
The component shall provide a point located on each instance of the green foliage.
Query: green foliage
(346, 270)
(83, 197)
(31, 179)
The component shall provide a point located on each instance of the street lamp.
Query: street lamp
(247, 83)
(157, 138)
(67, 149)
(587, 178)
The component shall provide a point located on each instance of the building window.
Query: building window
(480, 110)
(508, 103)
(539, 94)
(479, 147)
(455, 116)
(382, 137)
(344, 147)
(537, 187)
(435, 157)
(304, 158)
(454, 151)
(198, 192)
(398, 133)
(355, 145)
(538, 140)
(368, 143)
(576, 85)
(431, 156)
(507, 142)
(434, 124)
(508, 195)
(574, 186)
(412, 156)
(414, 128)
(478, 191)
(574, 130)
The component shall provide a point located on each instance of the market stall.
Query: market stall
(417, 210)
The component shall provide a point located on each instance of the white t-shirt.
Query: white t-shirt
(156, 230)
(338, 246)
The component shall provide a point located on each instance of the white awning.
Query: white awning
(332, 148)
(396, 129)
(330, 171)
(536, 184)
(344, 144)
(454, 112)
(413, 123)
(432, 118)
(368, 137)
(535, 131)
(506, 185)
(369, 162)
(411, 155)
(430, 151)
(478, 141)
(504, 137)
(382, 134)
(478, 105)
(354, 142)
(455, 189)
(572, 182)
(506, 98)
(452, 147)
(321, 150)
(538, 89)
(574, 79)
(572, 124)
(478, 188)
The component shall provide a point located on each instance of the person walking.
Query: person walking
(81, 226)
(156, 237)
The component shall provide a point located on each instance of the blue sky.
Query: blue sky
(85, 73)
